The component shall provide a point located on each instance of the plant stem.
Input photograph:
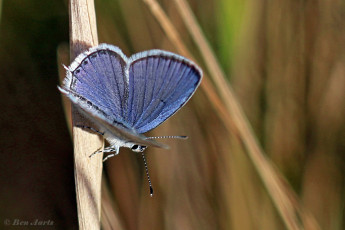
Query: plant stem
(87, 171)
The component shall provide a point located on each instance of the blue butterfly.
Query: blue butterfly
(126, 97)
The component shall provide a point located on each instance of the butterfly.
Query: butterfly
(126, 97)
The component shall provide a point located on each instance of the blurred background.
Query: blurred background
(284, 59)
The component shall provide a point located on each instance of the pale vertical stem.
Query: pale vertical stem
(87, 171)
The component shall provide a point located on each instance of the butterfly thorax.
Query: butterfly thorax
(116, 143)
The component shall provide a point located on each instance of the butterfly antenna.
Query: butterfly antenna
(147, 174)
(170, 137)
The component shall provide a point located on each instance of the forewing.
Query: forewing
(160, 83)
(98, 75)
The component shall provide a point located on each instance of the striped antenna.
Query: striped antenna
(147, 174)
(143, 155)
(171, 137)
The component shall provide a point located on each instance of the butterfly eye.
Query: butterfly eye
(138, 148)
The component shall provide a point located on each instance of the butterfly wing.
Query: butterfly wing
(98, 75)
(160, 83)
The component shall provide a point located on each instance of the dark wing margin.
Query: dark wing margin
(160, 83)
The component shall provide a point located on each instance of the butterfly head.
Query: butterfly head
(138, 148)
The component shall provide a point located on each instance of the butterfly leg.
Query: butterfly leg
(92, 129)
(107, 150)
(113, 149)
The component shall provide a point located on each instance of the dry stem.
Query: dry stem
(88, 171)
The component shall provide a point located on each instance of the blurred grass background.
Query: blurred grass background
(285, 60)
